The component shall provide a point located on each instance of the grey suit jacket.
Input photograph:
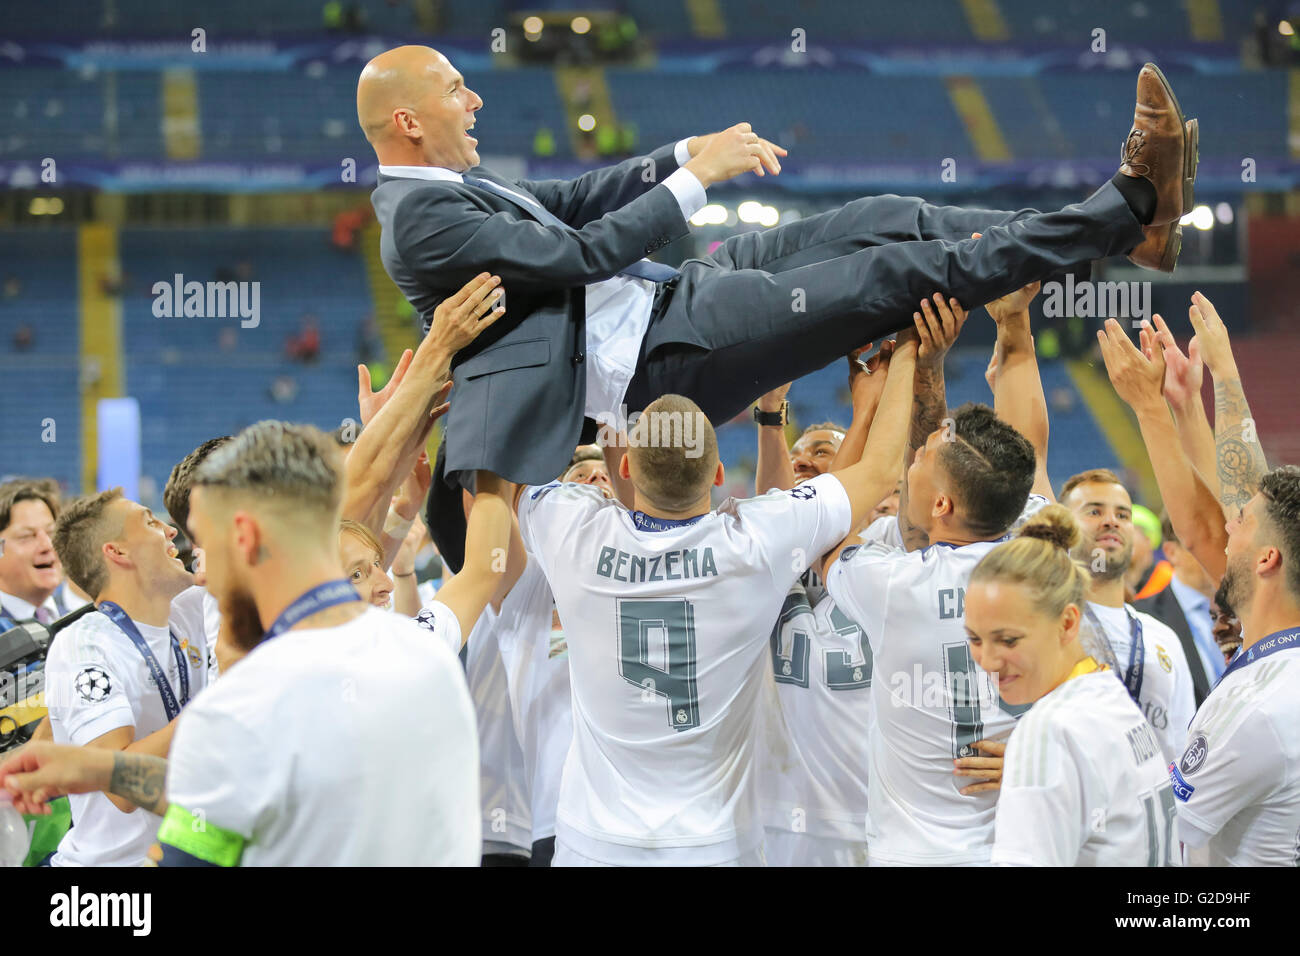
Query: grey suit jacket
(520, 389)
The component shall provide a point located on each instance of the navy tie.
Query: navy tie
(641, 269)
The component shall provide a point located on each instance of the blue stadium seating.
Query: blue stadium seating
(41, 383)
(189, 388)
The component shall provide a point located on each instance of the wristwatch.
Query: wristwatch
(776, 419)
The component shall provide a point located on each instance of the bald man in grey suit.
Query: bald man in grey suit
(592, 328)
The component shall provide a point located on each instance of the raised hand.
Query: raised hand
(371, 402)
(771, 402)
(738, 149)
(1013, 303)
(937, 328)
(1138, 375)
(1183, 373)
(1213, 337)
(461, 318)
(867, 379)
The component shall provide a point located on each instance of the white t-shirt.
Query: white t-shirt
(441, 621)
(1238, 780)
(536, 660)
(345, 746)
(96, 680)
(503, 781)
(668, 646)
(815, 766)
(1166, 697)
(1085, 783)
(930, 700)
(195, 610)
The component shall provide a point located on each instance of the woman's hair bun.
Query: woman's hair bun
(1054, 524)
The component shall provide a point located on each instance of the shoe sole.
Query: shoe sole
(1170, 259)
(1191, 136)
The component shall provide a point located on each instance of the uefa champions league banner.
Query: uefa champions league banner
(473, 55)
(1063, 176)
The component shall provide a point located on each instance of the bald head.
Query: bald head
(415, 109)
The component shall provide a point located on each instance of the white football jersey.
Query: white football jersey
(930, 701)
(815, 766)
(1238, 780)
(96, 680)
(507, 825)
(536, 660)
(441, 621)
(668, 652)
(1085, 783)
(345, 746)
(1166, 697)
(194, 610)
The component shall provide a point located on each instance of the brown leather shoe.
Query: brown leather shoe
(1159, 249)
(1157, 149)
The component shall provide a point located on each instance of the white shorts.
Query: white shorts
(786, 848)
(566, 856)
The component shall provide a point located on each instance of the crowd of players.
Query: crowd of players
(905, 649)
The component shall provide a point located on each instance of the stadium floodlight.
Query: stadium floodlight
(1203, 218)
(532, 28)
(1286, 29)
(714, 214)
(1223, 212)
(749, 211)
(768, 216)
(586, 122)
(580, 25)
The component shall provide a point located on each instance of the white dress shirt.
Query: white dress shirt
(618, 308)
(21, 610)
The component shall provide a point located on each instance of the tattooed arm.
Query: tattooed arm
(1237, 450)
(937, 328)
(40, 771)
(140, 778)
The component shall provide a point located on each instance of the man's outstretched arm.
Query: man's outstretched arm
(39, 772)
(1240, 455)
(773, 469)
(392, 441)
(1018, 397)
(1138, 376)
(938, 327)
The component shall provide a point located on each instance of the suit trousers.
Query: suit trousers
(771, 306)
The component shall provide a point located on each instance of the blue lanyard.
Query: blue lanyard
(1264, 647)
(339, 591)
(170, 704)
(1132, 678)
(645, 522)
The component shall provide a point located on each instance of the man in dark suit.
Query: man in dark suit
(592, 328)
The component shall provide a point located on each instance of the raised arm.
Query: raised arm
(773, 469)
(487, 547)
(1238, 451)
(938, 327)
(1138, 377)
(1183, 376)
(876, 474)
(866, 383)
(388, 448)
(1018, 397)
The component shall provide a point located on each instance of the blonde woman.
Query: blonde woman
(1084, 783)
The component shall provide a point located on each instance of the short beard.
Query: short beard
(1116, 567)
(242, 623)
(1238, 586)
